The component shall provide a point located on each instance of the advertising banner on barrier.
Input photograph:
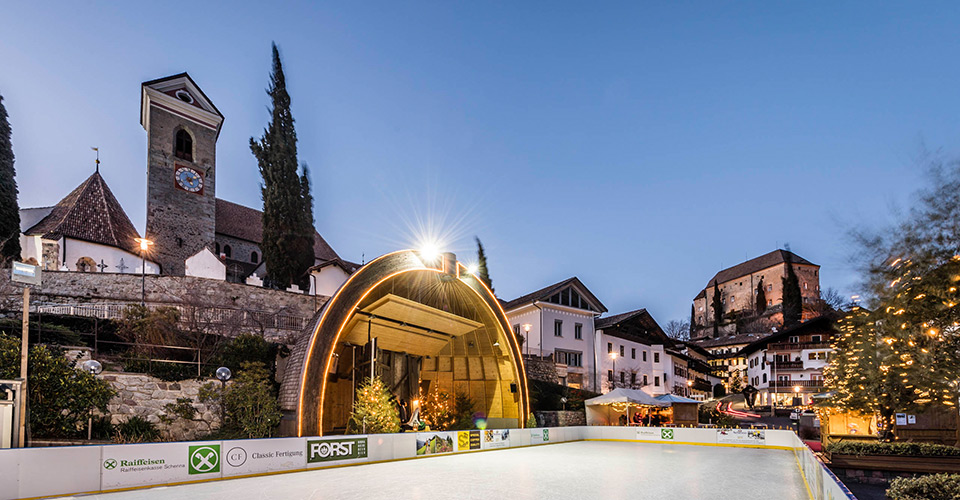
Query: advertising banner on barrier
(431, 443)
(331, 451)
(741, 436)
(539, 436)
(135, 465)
(468, 440)
(254, 456)
(496, 438)
(655, 434)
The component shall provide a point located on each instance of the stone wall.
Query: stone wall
(560, 418)
(544, 370)
(145, 396)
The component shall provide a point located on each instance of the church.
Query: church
(189, 231)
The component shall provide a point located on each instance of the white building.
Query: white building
(633, 353)
(558, 321)
(790, 364)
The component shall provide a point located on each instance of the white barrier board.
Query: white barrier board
(254, 456)
(137, 465)
(539, 436)
(741, 436)
(656, 434)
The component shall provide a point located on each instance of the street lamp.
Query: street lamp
(144, 246)
(223, 374)
(689, 387)
(93, 367)
(614, 356)
(526, 335)
(796, 391)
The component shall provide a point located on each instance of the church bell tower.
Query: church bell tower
(182, 127)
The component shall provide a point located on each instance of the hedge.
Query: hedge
(863, 448)
(931, 487)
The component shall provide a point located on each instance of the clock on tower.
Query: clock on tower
(182, 127)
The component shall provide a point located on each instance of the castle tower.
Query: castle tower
(182, 127)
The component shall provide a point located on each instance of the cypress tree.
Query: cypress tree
(482, 271)
(288, 232)
(792, 301)
(717, 309)
(9, 210)
(693, 322)
(761, 298)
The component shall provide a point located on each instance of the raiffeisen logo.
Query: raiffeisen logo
(336, 449)
(140, 461)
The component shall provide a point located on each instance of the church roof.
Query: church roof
(90, 213)
(246, 223)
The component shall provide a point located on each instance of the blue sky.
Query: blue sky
(638, 146)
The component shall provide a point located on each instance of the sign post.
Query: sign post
(28, 275)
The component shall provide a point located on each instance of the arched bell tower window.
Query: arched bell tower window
(254, 257)
(183, 145)
(227, 251)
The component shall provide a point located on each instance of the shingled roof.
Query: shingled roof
(641, 318)
(246, 223)
(757, 264)
(90, 213)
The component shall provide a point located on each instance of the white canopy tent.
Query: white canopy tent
(607, 408)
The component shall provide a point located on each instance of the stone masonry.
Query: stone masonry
(145, 396)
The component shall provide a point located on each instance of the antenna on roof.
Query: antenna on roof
(98, 158)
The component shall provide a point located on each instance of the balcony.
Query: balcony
(787, 366)
(797, 346)
(803, 384)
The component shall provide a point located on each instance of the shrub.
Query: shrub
(931, 487)
(546, 396)
(251, 403)
(136, 430)
(861, 448)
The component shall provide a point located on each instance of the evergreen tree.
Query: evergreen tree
(9, 210)
(717, 309)
(899, 353)
(288, 233)
(792, 301)
(761, 298)
(693, 322)
(374, 411)
(482, 271)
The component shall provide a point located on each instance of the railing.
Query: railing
(788, 365)
(702, 385)
(797, 346)
(816, 384)
(207, 315)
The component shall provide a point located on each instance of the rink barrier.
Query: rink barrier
(74, 470)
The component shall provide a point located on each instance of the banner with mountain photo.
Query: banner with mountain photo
(431, 443)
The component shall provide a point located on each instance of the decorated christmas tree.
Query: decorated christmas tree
(374, 411)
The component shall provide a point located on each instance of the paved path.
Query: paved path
(577, 470)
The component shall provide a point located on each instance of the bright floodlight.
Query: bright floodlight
(223, 374)
(473, 268)
(429, 251)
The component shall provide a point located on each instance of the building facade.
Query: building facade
(790, 364)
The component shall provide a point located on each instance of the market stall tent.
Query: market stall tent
(607, 408)
(684, 409)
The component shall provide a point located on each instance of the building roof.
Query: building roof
(825, 323)
(245, 223)
(548, 291)
(90, 213)
(347, 266)
(756, 264)
(637, 326)
(726, 340)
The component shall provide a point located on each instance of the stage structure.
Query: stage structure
(420, 323)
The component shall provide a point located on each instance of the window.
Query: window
(183, 145)
(569, 358)
(621, 351)
(783, 378)
(804, 285)
(218, 249)
(644, 380)
(558, 328)
(769, 288)
(794, 339)
(610, 375)
(815, 339)
(578, 331)
(516, 329)
(633, 353)
(764, 378)
(769, 302)
(227, 251)
(656, 381)
(656, 357)
(817, 355)
(609, 347)
(622, 377)
(633, 379)
(254, 257)
(644, 356)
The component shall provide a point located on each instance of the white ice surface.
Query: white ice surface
(577, 470)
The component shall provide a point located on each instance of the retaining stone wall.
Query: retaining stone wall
(560, 418)
(145, 396)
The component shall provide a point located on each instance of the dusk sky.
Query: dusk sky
(640, 147)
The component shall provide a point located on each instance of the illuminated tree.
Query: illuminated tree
(374, 411)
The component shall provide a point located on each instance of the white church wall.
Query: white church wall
(31, 247)
(109, 256)
(327, 281)
(204, 264)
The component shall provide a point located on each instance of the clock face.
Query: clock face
(189, 179)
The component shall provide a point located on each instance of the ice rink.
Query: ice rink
(575, 470)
